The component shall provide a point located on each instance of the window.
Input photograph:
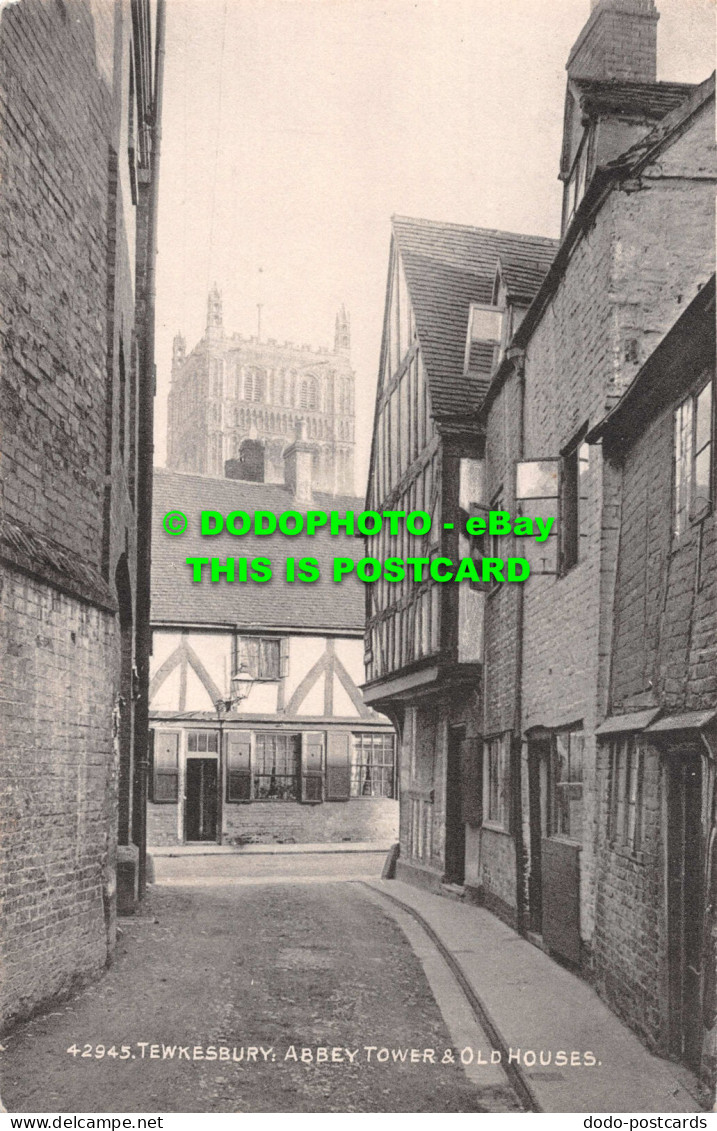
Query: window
(202, 742)
(254, 385)
(309, 394)
(372, 765)
(485, 336)
(496, 781)
(626, 816)
(276, 769)
(565, 784)
(165, 767)
(261, 657)
(536, 494)
(693, 459)
(573, 492)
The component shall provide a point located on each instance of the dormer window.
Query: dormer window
(576, 183)
(485, 337)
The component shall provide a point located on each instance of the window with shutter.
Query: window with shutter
(479, 543)
(238, 747)
(338, 766)
(536, 495)
(276, 768)
(312, 767)
(260, 656)
(165, 768)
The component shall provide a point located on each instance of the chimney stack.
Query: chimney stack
(619, 41)
(298, 466)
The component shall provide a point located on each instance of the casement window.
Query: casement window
(626, 792)
(573, 493)
(485, 337)
(576, 184)
(372, 765)
(565, 784)
(692, 459)
(203, 742)
(536, 495)
(165, 767)
(264, 658)
(496, 781)
(274, 766)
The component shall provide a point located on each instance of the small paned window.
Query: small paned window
(496, 781)
(373, 768)
(692, 459)
(276, 766)
(261, 657)
(202, 742)
(565, 784)
(626, 793)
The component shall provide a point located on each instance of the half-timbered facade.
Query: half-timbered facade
(444, 328)
(300, 756)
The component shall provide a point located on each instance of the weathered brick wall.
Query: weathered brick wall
(624, 287)
(66, 298)
(666, 594)
(366, 818)
(630, 947)
(363, 819)
(619, 41)
(58, 792)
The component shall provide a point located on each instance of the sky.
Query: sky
(294, 129)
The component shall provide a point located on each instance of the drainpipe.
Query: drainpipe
(145, 460)
(518, 357)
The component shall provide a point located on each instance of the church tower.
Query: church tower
(235, 404)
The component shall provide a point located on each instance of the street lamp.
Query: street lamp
(240, 686)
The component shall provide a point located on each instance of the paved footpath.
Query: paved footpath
(279, 967)
(535, 1004)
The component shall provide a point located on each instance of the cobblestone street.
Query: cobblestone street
(275, 967)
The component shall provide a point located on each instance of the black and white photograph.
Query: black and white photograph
(358, 561)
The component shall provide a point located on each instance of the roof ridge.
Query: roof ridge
(473, 228)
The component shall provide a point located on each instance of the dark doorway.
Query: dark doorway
(538, 755)
(455, 828)
(685, 904)
(201, 802)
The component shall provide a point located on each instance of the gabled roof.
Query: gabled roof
(643, 99)
(629, 163)
(668, 371)
(276, 604)
(448, 267)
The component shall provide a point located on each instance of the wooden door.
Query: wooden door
(685, 900)
(455, 828)
(201, 799)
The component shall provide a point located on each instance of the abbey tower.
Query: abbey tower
(235, 404)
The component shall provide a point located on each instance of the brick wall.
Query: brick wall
(631, 932)
(67, 275)
(287, 822)
(619, 41)
(58, 792)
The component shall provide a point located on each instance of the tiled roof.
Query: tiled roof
(447, 267)
(651, 99)
(177, 599)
